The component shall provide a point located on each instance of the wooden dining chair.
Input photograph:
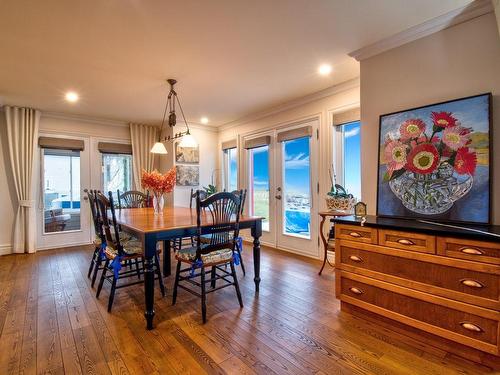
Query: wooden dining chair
(239, 242)
(132, 199)
(96, 261)
(222, 211)
(118, 253)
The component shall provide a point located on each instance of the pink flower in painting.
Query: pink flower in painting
(395, 155)
(455, 137)
(412, 128)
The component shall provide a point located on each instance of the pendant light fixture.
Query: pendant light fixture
(187, 139)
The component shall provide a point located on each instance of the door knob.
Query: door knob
(278, 197)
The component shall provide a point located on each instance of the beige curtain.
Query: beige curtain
(143, 138)
(22, 133)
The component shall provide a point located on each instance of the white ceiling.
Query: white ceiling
(231, 57)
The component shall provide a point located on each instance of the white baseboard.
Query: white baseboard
(43, 248)
(6, 249)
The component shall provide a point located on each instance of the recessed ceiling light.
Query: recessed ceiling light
(204, 120)
(71, 96)
(325, 69)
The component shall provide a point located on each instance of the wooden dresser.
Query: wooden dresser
(435, 280)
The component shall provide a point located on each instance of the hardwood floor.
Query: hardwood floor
(51, 322)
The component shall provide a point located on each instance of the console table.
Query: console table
(435, 283)
(324, 215)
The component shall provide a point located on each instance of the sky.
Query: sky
(352, 159)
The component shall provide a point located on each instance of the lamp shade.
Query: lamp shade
(188, 141)
(159, 148)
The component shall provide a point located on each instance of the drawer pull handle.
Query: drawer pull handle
(471, 250)
(471, 327)
(356, 290)
(404, 241)
(355, 258)
(472, 283)
(355, 234)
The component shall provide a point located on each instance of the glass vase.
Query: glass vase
(158, 203)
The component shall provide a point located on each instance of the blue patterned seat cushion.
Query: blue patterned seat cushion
(217, 256)
(131, 247)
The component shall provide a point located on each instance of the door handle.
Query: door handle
(85, 198)
(278, 197)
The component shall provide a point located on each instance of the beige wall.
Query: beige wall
(460, 61)
(207, 141)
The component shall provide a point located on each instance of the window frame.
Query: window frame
(226, 167)
(131, 177)
(338, 141)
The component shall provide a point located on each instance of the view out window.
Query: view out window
(347, 157)
(117, 172)
(61, 190)
(296, 187)
(258, 194)
(231, 169)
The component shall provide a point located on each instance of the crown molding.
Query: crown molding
(347, 85)
(475, 9)
(83, 118)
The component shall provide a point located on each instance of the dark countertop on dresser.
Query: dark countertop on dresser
(488, 232)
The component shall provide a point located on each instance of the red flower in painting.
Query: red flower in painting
(412, 128)
(443, 119)
(423, 159)
(465, 161)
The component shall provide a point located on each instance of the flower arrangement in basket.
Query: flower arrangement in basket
(158, 184)
(428, 173)
(337, 198)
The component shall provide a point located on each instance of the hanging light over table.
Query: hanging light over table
(187, 139)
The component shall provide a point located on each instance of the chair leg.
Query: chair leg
(137, 270)
(203, 296)
(103, 275)
(176, 283)
(212, 277)
(158, 272)
(92, 262)
(241, 260)
(112, 293)
(97, 265)
(236, 285)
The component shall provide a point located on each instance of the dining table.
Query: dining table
(173, 223)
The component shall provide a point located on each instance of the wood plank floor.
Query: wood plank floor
(51, 322)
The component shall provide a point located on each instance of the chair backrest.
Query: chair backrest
(222, 211)
(243, 195)
(94, 209)
(132, 199)
(203, 195)
(109, 226)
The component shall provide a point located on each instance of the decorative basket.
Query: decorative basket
(345, 204)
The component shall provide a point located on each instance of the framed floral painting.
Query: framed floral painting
(435, 162)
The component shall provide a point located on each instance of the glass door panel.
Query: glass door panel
(259, 184)
(61, 193)
(296, 188)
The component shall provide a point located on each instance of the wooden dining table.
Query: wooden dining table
(172, 223)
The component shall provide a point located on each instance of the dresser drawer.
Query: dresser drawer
(407, 241)
(464, 327)
(356, 233)
(487, 252)
(466, 285)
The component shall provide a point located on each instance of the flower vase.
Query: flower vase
(158, 203)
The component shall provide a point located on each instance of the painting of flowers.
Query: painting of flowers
(434, 162)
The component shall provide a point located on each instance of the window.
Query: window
(296, 187)
(231, 169)
(259, 183)
(117, 172)
(347, 157)
(61, 190)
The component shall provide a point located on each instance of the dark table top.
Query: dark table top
(476, 232)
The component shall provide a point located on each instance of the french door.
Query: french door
(282, 177)
(63, 217)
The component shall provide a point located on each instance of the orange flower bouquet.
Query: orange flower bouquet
(159, 184)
